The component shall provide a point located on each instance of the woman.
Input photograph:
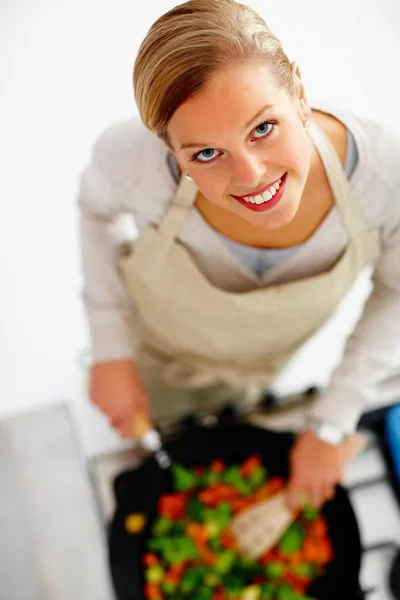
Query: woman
(255, 214)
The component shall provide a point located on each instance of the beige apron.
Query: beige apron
(192, 335)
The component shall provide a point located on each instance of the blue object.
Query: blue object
(392, 434)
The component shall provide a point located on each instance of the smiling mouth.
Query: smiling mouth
(271, 188)
(264, 199)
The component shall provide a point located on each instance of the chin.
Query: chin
(277, 218)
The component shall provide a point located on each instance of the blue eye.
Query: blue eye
(264, 129)
(208, 154)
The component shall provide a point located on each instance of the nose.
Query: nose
(248, 171)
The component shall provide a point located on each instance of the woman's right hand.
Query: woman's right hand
(117, 389)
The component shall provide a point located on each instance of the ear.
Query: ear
(301, 97)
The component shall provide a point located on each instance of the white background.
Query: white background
(65, 74)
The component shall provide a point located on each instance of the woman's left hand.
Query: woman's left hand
(315, 469)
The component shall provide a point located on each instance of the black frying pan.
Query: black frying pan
(138, 491)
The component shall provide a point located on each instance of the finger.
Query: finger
(123, 424)
(295, 493)
(125, 429)
(117, 421)
(316, 494)
(329, 491)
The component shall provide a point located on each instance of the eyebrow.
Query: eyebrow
(247, 125)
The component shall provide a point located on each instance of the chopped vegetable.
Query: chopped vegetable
(252, 592)
(172, 506)
(310, 512)
(252, 463)
(292, 540)
(224, 562)
(135, 523)
(307, 570)
(153, 592)
(195, 509)
(217, 466)
(257, 477)
(150, 559)
(192, 553)
(184, 479)
(162, 526)
(233, 584)
(234, 477)
(268, 591)
(275, 570)
(154, 574)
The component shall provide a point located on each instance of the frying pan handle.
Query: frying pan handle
(144, 431)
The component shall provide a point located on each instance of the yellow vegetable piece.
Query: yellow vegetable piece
(252, 592)
(135, 523)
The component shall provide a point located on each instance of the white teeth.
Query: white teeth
(266, 196)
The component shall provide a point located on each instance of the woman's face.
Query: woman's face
(242, 140)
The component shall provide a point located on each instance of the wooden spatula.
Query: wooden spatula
(258, 528)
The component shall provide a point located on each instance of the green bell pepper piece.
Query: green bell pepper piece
(190, 580)
(158, 544)
(203, 593)
(275, 569)
(224, 562)
(233, 477)
(257, 478)
(168, 587)
(233, 584)
(310, 513)
(162, 526)
(209, 478)
(178, 530)
(215, 545)
(268, 591)
(195, 509)
(184, 479)
(292, 540)
(307, 570)
(178, 550)
(219, 517)
(212, 580)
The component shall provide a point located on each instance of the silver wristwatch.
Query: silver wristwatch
(327, 432)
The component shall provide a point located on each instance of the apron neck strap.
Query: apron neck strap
(349, 209)
(179, 207)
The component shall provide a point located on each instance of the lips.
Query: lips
(268, 198)
(261, 191)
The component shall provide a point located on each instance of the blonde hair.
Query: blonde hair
(185, 46)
